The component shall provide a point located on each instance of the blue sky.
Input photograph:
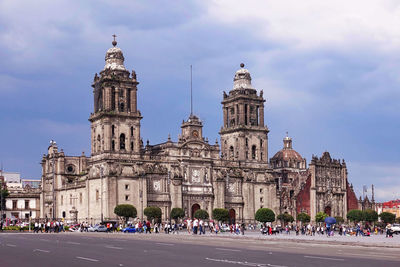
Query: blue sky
(330, 71)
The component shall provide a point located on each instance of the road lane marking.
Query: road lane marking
(87, 259)
(324, 258)
(41, 250)
(245, 263)
(73, 243)
(10, 245)
(368, 255)
(165, 244)
(228, 249)
(294, 247)
(113, 247)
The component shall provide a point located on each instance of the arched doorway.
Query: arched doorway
(195, 207)
(232, 216)
(328, 210)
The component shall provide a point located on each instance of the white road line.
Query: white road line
(245, 263)
(165, 244)
(324, 258)
(73, 243)
(294, 247)
(228, 249)
(87, 259)
(10, 245)
(369, 255)
(113, 247)
(41, 250)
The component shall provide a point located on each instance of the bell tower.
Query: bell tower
(244, 136)
(115, 122)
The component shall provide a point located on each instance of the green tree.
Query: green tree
(201, 214)
(3, 194)
(355, 215)
(303, 217)
(126, 211)
(339, 219)
(320, 216)
(221, 215)
(177, 213)
(265, 215)
(387, 217)
(285, 217)
(370, 215)
(152, 213)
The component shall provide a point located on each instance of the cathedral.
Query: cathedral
(192, 173)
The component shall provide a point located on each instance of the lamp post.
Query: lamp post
(52, 143)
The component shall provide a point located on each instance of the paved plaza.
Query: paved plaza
(118, 249)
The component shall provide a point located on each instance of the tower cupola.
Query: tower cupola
(287, 142)
(242, 79)
(114, 57)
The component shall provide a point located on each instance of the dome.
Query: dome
(287, 155)
(242, 79)
(114, 58)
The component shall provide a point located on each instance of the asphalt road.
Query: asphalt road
(98, 249)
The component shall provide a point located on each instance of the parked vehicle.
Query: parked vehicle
(395, 228)
(91, 228)
(100, 228)
(129, 229)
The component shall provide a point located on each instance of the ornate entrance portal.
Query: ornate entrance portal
(328, 210)
(232, 216)
(195, 207)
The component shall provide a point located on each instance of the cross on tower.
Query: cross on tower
(114, 43)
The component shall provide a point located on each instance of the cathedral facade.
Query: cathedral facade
(192, 173)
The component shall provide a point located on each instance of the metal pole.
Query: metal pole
(54, 181)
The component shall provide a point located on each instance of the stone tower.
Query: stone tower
(115, 122)
(244, 136)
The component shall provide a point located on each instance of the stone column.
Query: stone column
(261, 117)
(225, 117)
(248, 115)
(133, 99)
(116, 99)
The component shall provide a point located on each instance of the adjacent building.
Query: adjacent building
(23, 199)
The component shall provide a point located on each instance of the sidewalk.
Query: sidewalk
(372, 241)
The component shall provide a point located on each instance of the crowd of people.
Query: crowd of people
(326, 229)
(48, 227)
(201, 227)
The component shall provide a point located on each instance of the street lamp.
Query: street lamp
(53, 143)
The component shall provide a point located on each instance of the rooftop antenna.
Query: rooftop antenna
(191, 92)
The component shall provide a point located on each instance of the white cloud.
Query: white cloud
(314, 23)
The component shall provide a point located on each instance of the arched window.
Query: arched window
(131, 146)
(231, 155)
(121, 107)
(253, 152)
(112, 145)
(132, 131)
(112, 130)
(122, 142)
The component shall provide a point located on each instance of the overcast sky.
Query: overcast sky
(330, 71)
